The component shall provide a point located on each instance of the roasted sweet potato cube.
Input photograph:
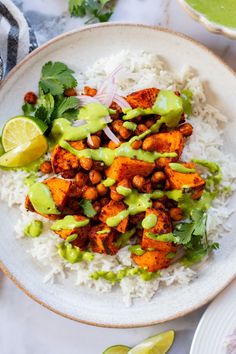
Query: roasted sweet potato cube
(82, 232)
(112, 209)
(63, 160)
(124, 167)
(59, 188)
(163, 226)
(152, 260)
(178, 180)
(102, 239)
(172, 141)
(143, 98)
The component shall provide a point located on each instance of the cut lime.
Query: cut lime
(117, 349)
(19, 130)
(25, 153)
(159, 344)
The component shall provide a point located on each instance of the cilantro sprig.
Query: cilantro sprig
(98, 10)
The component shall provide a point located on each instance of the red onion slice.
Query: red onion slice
(79, 123)
(111, 135)
(84, 100)
(121, 101)
(90, 140)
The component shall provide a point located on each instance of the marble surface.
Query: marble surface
(25, 326)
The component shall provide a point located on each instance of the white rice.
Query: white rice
(140, 70)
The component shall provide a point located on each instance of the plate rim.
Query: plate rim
(3, 267)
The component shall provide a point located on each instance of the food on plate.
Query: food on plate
(120, 174)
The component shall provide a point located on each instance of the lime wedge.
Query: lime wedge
(25, 153)
(159, 344)
(19, 130)
(117, 349)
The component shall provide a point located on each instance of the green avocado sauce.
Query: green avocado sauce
(178, 167)
(123, 190)
(137, 250)
(108, 182)
(41, 199)
(34, 229)
(73, 254)
(113, 277)
(149, 221)
(218, 11)
(69, 222)
(130, 125)
(30, 179)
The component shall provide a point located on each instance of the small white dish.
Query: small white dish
(79, 49)
(217, 323)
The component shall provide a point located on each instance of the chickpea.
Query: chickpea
(46, 167)
(149, 123)
(116, 125)
(90, 193)
(75, 190)
(158, 177)
(69, 174)
(86, 163)
(89, 91)
(115, 195)
(96, 142)
(81, 179)
(104, 201)
(70, 92)
(125, 133)
(136, 144)
(176, 214)
(112, 145)
(95, 176)
(138, 182)
(98, 166)
(186, 129)
(31, 98)
(141, 128)
(147, 187)
(97, 206)
(102, 190)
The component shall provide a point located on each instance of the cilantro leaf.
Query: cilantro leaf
(66, 104)
(100, 10)
(183, 232)
(88, 208)
(28, 109)
(56, 77)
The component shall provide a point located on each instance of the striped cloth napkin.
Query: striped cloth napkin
(16, 37)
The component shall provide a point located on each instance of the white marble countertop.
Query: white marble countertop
(25, 326)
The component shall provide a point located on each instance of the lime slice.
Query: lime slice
(159, 344)
(19, 130)
(117, 349)
(25, 153)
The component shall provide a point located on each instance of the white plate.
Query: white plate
(218, 322)
(80, 49)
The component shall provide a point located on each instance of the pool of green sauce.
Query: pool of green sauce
(219, 11)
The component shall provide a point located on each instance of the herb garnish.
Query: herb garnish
(99, 10)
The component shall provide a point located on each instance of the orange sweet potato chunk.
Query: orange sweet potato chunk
(178, 180)
(63, 160)
(59, 188)
(112, 209)
(143, 98)
(124, 167)
(163, 226)
(82, 232)
(105, 242)
(152, 260)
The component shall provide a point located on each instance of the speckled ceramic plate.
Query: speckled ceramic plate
(209, 25)
(80, 49)
(217, 324)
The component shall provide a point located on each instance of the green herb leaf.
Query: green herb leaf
(88, 208)
(124, 238)
(56, 77)
(99, 10)
(66, 104)
(28, 109)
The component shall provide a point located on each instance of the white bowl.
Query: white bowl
(80, 49)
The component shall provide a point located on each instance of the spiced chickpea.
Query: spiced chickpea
(158, 177)
(73, 204)
(102, 190)
(70, 92)
(81, 179)
(95, 176)
(158, 205)
(96, 142)
(104, 201)
(149, 123)
(138, 182)
(125, 133)
(31, 98)
(46, 167)
(141, 128)
(75, 190)
(176, 214)
(69, 174)
(115, 195)
(147, 187)
(112, 145)
(186, 129)
(116, 125)
(86, 163)
(90, 193)
(136, 144)
(98, 166)
(97, 206)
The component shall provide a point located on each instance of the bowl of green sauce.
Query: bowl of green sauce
(218, 16)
